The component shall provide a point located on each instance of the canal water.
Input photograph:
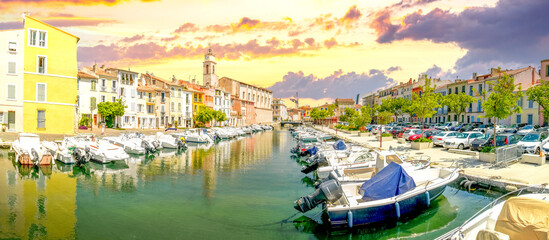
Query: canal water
(238, 189)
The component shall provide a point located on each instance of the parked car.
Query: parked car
(507, 139)
(525, 130)
(499, 129)
(532, 142)
(469, 127)
(482, 141)
(395, 131)
(448, 125)
(438, 139)
(410, 132)
(482, 128)
(511, 129)
(428, 133)
(462, 140)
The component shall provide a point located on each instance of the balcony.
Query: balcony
(150, 100)
(163, 100)
(113, 90)
(103, 88)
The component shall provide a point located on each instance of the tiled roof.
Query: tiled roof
(346, 100)
(85, 75)
(101, 72)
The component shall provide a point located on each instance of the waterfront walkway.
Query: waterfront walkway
(517, 174)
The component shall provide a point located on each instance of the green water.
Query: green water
(238, 189)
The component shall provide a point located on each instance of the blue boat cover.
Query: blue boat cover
(313, 150)
(340, 145)
(391, 181)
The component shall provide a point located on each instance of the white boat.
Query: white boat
(521, 217)
(131, 144)
(29, 151)
(393, 193)
(168, 141)
(61, 152)
(100, 150)
(197, 136)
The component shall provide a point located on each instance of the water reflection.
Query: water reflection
(40, 202)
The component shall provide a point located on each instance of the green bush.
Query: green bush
(84, 122)
(423, 140)
(386, 135)
(488, 149)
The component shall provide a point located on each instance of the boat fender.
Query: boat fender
(397, 208)
(350, 219)
(427, 198)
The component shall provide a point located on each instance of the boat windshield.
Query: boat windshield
(530, 138)
(462, 135)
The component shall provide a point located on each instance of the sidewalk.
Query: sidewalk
(517, 174)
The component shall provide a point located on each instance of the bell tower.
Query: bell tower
(209, 65)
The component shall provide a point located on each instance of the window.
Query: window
(449, 91)
(38, 37)
(547, 70)
(530, 104)
(113, 84)
(32, 37)
(12, 46)
(518, 118)
(470, 90)
(93, 102)
(11, 91)
(93, 84)
(519, 102)
(103, 99)
(179, 92)
(480, 88)
(179, 107)
(456, 90)
(41, 65)
(113, 99)
(41, 90)
(530, 119)
(11, 68)
(41, 119)
(172, 108)
(463, 89)
(479, 106)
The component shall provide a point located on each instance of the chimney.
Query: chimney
(94, 67)
(410, 81)
(173, 78)
(474, 76)
(102, 66)
(533, 76)
(493, 71)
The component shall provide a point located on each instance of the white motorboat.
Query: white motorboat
(168, 141)
(61, 152)
(29, 151)
(197, 136)
(100, 150)
(131, 144)
(393, 193)
(521, 217)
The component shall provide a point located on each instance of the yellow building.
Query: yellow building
(50, 78)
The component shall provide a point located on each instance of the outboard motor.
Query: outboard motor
(156, 145)
(320, 161)
(332, 176)
(81, 156)
(180, 144)
(329, 191)
(148, 148)
(34, 155)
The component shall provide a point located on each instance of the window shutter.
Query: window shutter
(11, 67)
(11, 92)
(41, 92)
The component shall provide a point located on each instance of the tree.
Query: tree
(349, 114)
(502, 102)
(219, 116)
(396, 106)
(424, 104)
(110, 110)
(457, 103)
(204, 115)
(540, 95)
(362, 118)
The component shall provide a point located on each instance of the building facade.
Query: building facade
(12, 45)
(280, 112)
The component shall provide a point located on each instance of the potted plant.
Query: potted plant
(487, 154)
(422, 143)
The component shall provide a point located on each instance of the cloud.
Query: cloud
(169, 39)
(62, 20)
(186, 27)
(433, 71)
(330, 42)
(152, 51)
(247, 24)
(134, 38)
(4, 4)
(336, 85)
(508, 33)
(352, 16)
(393, 69)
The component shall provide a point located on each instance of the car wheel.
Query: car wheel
(460, 146)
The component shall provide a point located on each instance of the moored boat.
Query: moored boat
(29, 151)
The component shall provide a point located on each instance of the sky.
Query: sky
(320, 49)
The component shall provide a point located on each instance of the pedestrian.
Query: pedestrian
(103, 128)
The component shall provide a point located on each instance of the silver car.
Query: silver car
(441, 137)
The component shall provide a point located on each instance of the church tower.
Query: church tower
(209, 77)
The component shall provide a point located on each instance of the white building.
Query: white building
(127, 91)
(280, 112)
(11, 80)
(87, 97)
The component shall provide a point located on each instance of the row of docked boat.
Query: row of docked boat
(361, 187)
(30, 150)
(358, 186)
(307, 134)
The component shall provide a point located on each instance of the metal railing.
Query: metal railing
(507, 154)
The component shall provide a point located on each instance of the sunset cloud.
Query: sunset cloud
(60, 20)
(187, 27)
(352, 16)
(4, 4)
(336, 85)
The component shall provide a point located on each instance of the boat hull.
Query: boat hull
(383, 213)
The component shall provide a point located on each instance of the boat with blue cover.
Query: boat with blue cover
(389, 195)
